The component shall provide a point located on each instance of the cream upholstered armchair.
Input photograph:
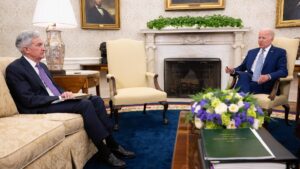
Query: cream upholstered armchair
(129, 82)
(269, 101)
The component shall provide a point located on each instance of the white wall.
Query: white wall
(16, 15)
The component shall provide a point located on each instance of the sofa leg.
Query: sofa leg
(286, 113)
(166, 105)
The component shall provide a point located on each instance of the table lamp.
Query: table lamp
(54, 15)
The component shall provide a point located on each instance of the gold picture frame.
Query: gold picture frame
(287, 13)
(104, 16)
(194, 4)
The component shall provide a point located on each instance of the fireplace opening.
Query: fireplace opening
(187, 76)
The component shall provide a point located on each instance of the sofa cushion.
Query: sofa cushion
(7, 105)
(24, 139)
(72, 122)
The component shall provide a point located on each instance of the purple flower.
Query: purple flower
(259, 110)
(210, 117)
(203, 103)
(203, 115)
(218, 119)
(246, 105)
(243, 116)
(250, 120)
(242, 94)
(237, 121)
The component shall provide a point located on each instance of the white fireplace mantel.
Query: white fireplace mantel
(208, 36)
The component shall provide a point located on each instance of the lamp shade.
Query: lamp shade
(58, 12)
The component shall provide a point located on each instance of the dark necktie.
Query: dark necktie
(47, 82)
(258, 67)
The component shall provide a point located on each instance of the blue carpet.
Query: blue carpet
(153, 142)
(146, 135)
(285, 135)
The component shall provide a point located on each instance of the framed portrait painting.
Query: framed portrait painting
(194, 4)
(100, 14)
(288, 13)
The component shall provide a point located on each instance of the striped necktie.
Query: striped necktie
(47, 82)
(258, 67)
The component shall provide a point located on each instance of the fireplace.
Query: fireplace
(186, 76)
(225, 44)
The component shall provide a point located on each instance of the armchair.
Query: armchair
(129, 82)
(269, 101)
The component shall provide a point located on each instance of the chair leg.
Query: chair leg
(111, 108)
(144, 110)
(166, 105)
(286, 113)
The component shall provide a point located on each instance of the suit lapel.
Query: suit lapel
(32, 72)
(268, 57)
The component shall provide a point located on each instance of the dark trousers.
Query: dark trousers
(246, 85)
(96, 123)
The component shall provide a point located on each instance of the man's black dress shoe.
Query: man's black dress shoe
(121, 152)
(115, 162)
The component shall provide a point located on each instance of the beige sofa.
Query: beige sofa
(39, 141)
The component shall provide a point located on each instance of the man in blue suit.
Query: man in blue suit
(34, 91)
(262, 66)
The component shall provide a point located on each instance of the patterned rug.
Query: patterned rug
(185, 106)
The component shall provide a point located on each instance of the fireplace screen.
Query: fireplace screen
(186, 76)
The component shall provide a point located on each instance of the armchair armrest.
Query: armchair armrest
(112, 84)
(233, 82)
(154, 76)
(286, 79)
(277, 84)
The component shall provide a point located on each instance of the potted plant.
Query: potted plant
(197, 22)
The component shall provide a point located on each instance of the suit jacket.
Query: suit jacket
(275, 64)
(26, 87)
(93, 16)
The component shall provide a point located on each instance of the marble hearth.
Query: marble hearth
(223, 43)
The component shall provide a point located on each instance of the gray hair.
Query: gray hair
(24, 39)
(270, 31)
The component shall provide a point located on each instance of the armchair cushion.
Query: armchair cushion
(138, 95)
(266, 103)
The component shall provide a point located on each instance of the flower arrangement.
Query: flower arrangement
(216, 108)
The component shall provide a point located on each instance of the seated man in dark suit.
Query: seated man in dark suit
(97, 14)
(262, 66)
(33, 91)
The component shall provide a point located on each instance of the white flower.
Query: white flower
(194, 105)
(255, 124)
(233, 108)
(238, 96)
(197, 108)
(221, 108)
(198, 123)
(240, 104)
(231, 125)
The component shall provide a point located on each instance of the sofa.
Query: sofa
(40, 141)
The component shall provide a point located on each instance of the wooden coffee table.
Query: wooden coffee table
(186, 154)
